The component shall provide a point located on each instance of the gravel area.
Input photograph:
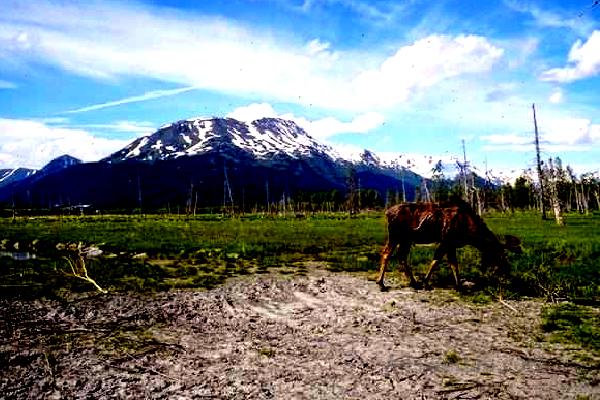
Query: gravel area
(319, 336)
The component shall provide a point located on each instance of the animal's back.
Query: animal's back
(418, 222)
(432, 222)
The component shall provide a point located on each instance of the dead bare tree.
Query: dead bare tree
(551, 177)
(539, 164)
(77, 254)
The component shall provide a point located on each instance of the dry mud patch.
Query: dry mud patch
(319, 336)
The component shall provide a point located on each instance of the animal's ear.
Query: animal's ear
(513, 243)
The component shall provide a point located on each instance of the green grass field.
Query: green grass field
(176, 251)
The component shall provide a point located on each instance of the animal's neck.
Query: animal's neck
(486, 241)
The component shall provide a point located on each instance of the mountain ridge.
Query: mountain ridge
(263, 138)
(259, 162)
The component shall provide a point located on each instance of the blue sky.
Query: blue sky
(397, 77)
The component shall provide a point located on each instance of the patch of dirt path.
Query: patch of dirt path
(320, 336)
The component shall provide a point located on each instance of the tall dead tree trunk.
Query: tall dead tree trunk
(539, 165)
(553, 191)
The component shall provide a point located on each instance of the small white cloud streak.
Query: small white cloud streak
(381, 13)
(322, 128)
(52, 120)
(32, 144)
(133, 127)
(544, 17)
(521, 148)
(154, 94)
(112, 40)
(315, 46)
(511, 139)
(7, 85)
(556, 97)
(520, 51)
(583, 62)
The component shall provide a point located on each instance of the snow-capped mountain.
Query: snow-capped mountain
(8, 176)
(60, 163)
(266, 139)
(18, 176)
(262, 139)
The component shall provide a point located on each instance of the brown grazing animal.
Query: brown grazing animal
(452, 224)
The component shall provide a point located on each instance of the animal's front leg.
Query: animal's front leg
(453, 261)
(437, 257)
(385, 259)
(409, 274)
(434, 264)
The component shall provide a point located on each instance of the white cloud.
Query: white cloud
(544, 17)
(570, 131)
(113, 40)
(154, 94)
(501, 92)
(423, 64)
(556, 135)
(7, 85)
(252, 112)
(133, 127)
(379, 13)
(322, 128)
(519, 51)
(53, 120)
(315, 46)
(327, 127)
(511, 139)
(584, 62)
(32, 144)
(556, 97)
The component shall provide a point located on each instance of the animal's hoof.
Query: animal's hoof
(383, 288)
(416, 285)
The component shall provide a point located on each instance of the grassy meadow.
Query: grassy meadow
(158, 252)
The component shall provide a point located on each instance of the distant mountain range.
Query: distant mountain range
(8, 176)
(210, 162)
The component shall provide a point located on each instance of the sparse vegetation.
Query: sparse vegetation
(267, 352)
(451, 357)
(570, 323)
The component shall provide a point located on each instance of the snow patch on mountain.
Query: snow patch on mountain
(14, 174)
(263, 139)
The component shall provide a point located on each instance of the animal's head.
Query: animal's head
(512, 244)
(495, 257)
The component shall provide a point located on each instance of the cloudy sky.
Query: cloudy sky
(414, 77)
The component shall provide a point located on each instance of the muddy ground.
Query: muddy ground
(319, 336)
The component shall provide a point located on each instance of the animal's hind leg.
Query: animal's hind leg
(386, 253)
(403, 252)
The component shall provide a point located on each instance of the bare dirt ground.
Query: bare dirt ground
(319, 336)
